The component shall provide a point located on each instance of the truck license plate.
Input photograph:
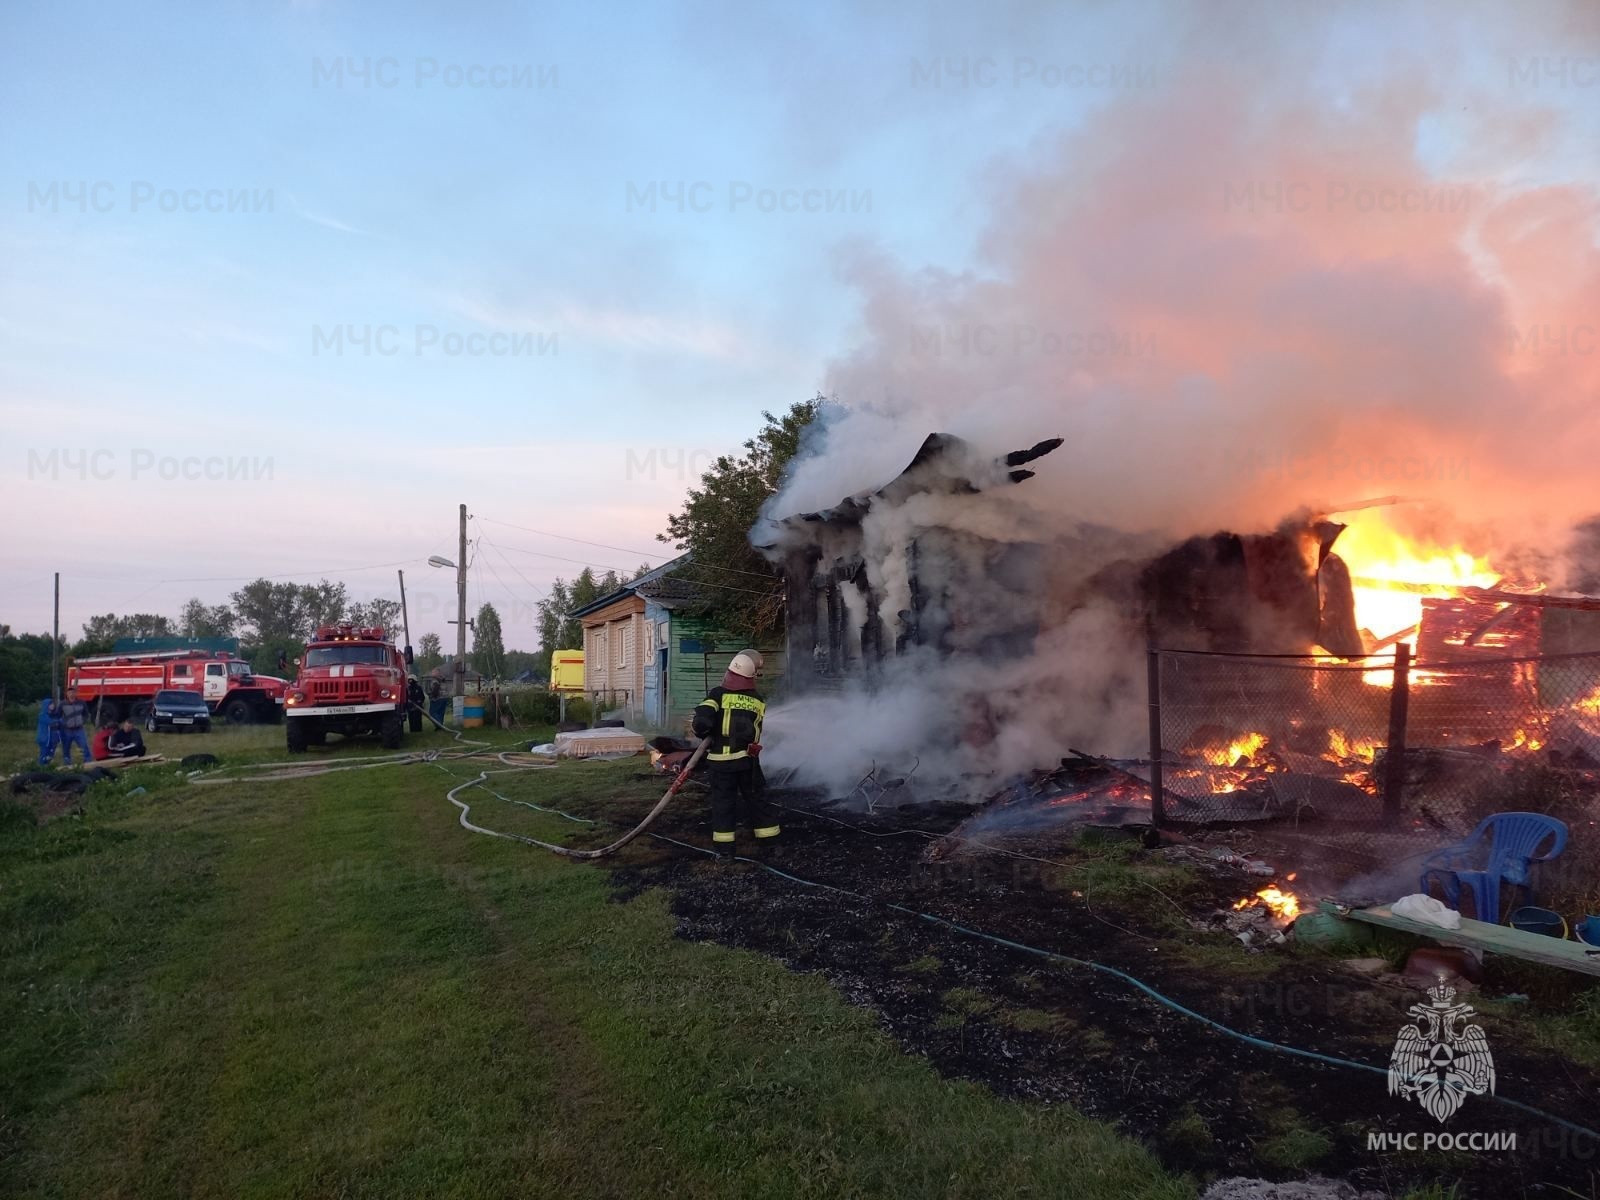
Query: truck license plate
(340, 708)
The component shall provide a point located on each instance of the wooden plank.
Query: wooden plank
(1479, 935)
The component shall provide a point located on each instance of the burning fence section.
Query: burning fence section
(1368, 758)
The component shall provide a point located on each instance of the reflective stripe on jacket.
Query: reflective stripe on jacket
(732, 720)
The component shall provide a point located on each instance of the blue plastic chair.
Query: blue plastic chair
(1514, 840)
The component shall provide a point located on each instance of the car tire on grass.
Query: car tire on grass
(150, 725)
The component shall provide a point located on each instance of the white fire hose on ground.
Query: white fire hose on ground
(568, 851)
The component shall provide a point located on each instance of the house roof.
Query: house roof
(657, 584)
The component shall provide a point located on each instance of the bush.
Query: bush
(20, 716)
(539, 707)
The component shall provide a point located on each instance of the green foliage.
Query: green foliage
(557, 630)
(381, 612)
(101, 633)
(430, 653)
(25, 666)
(714, 525)
(202, 620)
(488, 646)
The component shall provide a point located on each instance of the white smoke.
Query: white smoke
(1239, 294)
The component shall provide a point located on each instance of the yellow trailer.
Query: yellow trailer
(566, 671)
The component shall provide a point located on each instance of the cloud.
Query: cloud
(326, 222)
(622, 327)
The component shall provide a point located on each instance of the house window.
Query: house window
(598, 655)
(624, 632)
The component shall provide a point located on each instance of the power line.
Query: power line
(566, 538)
(622, 549)
(727, 587)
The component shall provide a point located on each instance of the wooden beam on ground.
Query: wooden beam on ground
(127, 762)
(1480, 935)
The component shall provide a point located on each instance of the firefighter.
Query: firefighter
(730, 716)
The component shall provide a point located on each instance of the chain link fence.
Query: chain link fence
(1379, 759)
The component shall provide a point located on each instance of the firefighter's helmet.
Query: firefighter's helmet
(747, 663)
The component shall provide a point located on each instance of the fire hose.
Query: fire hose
(568, 851)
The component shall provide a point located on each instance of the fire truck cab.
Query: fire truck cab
(122, 685)
(351, 680)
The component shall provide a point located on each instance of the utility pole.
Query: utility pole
(461, 609)
(55, 641)
(405, 617)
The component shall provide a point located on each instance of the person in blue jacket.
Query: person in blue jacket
(49, 732)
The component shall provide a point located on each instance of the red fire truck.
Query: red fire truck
(352, 680)
(122, 685)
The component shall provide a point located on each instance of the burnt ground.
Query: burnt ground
(1044, 1031)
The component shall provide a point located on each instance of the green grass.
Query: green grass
(327, 987)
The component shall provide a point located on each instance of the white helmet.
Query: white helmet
(747, 663)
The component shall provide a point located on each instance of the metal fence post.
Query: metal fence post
(1394, 765)
(1158, 810)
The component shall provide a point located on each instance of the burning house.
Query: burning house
(912, 566)
(1318, 674)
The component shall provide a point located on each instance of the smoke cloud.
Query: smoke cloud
(1287, 278)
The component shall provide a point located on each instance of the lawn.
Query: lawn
(326, 986)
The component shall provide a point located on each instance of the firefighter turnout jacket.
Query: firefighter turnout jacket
(732, 720)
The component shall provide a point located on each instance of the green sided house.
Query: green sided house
(653, 647)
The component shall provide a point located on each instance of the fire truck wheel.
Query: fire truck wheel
(140, 711)
(393, 727)
(295, 734)
(238, 712)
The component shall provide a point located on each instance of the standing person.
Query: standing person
(731, 716)
(73, 714)
(49, 732)
(415, 698)
(127, 741)
(436, 698)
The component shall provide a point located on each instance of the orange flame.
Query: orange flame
(1342, 746)
(1244, 746)
(1391, 573)
(1285, 906)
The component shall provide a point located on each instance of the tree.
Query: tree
(430, 653)
(714, 526)
(322, 603)
(553, 611)
(379, 612)
(488, 646)
(101, 633)
(25, 666)
(201, 620)
(269, 612)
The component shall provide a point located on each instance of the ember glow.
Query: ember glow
(1285, 906)
(1342, 747)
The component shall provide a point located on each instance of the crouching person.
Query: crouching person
(126, 741)
(730, 716)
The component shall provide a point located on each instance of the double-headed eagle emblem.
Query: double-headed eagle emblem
(1440, 1060)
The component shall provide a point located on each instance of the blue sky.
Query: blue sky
(130, 336)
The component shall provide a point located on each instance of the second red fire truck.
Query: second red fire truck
(352, 680)
(115, 686)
